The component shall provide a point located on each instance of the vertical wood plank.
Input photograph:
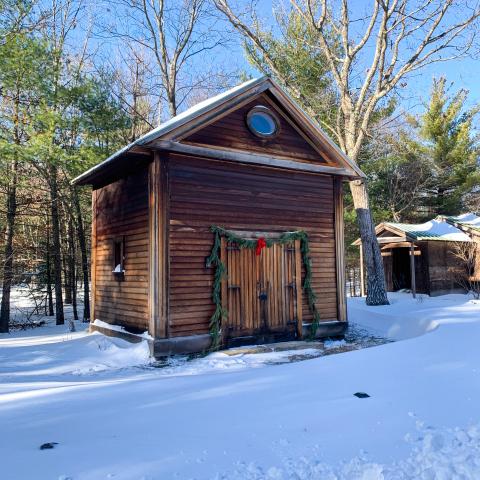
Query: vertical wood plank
(93, 256)
(259, 284)
(282, 284)
(226, 304)
(244, 279)
(298, 289)
(340, 250)
(158, 194)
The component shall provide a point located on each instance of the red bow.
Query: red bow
(261, 243)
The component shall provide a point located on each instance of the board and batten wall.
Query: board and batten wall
(120, 211)
(240, 197)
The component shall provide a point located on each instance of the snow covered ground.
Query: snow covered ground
(115, 416)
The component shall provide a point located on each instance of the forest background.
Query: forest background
(80, 79)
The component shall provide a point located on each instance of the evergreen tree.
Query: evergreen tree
(446, 132)
(21, 76)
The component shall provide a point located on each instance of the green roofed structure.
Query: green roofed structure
(422, 257)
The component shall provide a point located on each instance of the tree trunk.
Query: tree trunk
(8, 254)
(83, 252)
(71, 268)
(49, 275)
(376, 290)
(57, 260)
(65, 243)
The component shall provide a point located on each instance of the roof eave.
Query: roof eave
(86, 177)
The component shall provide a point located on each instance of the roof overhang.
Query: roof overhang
(398, 235)
(402, 236)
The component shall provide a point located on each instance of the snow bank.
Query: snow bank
(407, 317)
(119, 328)
(62, 354)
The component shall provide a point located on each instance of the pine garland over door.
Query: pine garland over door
(214, 260)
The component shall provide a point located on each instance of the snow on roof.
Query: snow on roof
(432, 230)
(466, 219)
(196, 109)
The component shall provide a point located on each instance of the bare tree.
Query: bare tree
(377, 52)
(132, 87)
(175, 34)
(21, 17)
(466, 272)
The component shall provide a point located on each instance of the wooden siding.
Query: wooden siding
(441, 262)
(231, 132)
(205, 193)
(121, 211)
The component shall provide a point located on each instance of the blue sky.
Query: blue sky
(463, 73)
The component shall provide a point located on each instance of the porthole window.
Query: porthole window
(262, 122)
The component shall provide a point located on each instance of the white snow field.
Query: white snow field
(114, 416)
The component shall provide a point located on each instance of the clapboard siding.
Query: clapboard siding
(122, 212)
(205, 193)
(231, 132)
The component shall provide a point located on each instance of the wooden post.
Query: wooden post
(340, 250)
(93, 256)
(412, 270)
(158, 246)
(298, 288)
(224, 291)
(362, 273)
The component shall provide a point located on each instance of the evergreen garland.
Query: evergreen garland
(213, 260)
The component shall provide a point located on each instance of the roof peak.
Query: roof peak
(206, 111)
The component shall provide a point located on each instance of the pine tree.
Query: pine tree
(446, 131)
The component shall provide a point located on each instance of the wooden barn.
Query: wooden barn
(222, 226)
(419, 257)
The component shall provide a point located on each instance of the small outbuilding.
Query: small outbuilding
(222, 226)
(420, 257)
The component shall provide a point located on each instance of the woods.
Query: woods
(78, 81)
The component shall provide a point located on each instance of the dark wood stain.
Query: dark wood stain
(205, 193)
(231, 132)
(121, 210)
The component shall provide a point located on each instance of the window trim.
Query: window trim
(268, 111)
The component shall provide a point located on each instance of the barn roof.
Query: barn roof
(208, 109)
(467, 220)
(431, 230)
(434, 230)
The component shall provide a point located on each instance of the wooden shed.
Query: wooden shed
(419, 257)
(222, 226)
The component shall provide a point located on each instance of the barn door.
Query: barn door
(263, 293)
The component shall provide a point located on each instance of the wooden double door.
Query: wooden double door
(262, 293)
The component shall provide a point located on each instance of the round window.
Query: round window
(262, 122)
